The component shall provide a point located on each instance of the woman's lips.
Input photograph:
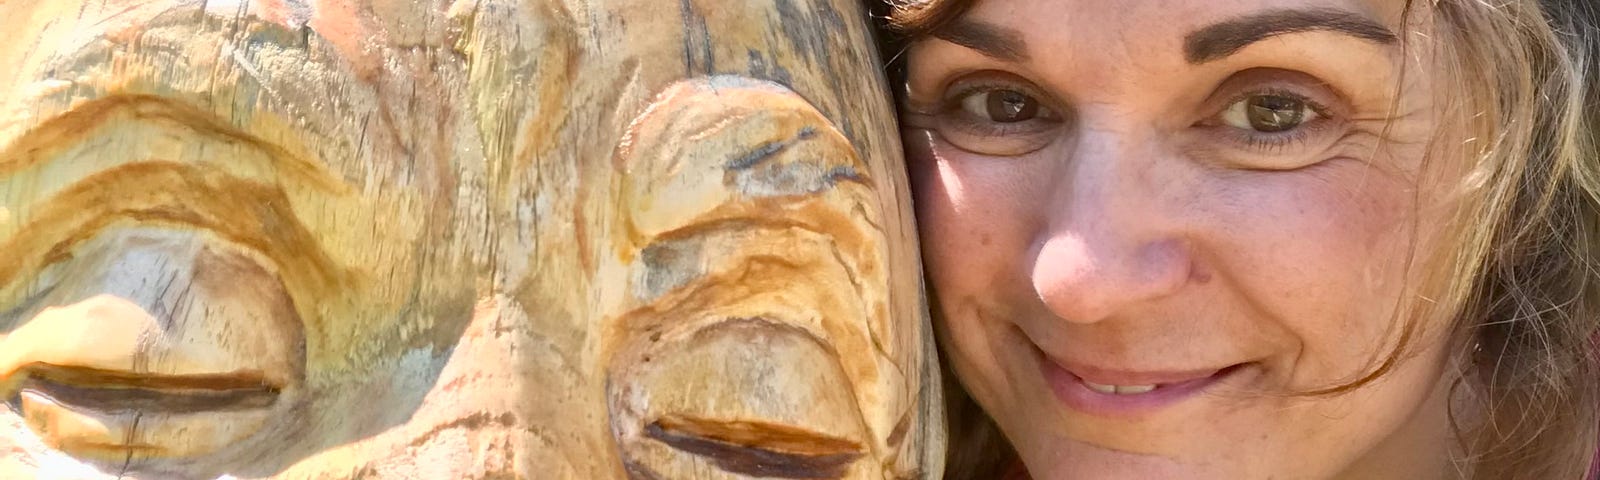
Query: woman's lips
(1123, 393)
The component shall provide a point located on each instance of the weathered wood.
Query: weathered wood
(456, 239)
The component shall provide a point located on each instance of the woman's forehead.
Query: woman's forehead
(1163, 54)
(1171, 27)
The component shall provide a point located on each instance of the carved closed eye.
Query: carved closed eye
(758, 448)
(160, 340)
(746, 396)
(109, 391)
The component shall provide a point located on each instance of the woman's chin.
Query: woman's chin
(1205, 457)
(1073, 459)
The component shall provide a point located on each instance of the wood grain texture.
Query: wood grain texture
(483, 239)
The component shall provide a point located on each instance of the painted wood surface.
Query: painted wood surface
(456, 239)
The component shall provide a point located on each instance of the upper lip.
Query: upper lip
(1128, 376)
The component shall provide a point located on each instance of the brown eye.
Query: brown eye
(1268, 113)
(996, 115)
(1001, 106)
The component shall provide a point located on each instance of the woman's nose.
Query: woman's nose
(1111, 238)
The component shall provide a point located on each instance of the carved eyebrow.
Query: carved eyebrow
(992, 41)
(1222, 39)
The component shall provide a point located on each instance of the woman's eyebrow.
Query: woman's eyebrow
(992, 41)
(1222, 39)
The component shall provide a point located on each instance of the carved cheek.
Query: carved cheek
(756, 296)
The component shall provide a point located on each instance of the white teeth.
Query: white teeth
(1108, 389)
(1134, 389)
(1119, 389)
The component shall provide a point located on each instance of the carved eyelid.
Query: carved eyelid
(758, 448)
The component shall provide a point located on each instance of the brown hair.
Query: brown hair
(1524, 283)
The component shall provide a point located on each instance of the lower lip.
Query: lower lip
(1071, 390)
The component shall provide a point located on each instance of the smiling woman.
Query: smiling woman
(1327, 239)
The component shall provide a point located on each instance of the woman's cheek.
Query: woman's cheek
(1324, 252)
(974, 224)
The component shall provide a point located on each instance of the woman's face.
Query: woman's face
(1151, 224)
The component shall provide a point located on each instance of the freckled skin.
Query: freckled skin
(1140, 234)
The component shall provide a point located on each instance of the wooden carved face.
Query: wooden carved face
(455, 239)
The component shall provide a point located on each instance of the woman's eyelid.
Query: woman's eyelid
(1321, 98)
(931, 85)
(972, 83)
(1324, 97)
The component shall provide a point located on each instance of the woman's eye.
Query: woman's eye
(997, 117)
(1268, 113)
(1001, 106)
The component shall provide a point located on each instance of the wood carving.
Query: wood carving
(456, 239)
